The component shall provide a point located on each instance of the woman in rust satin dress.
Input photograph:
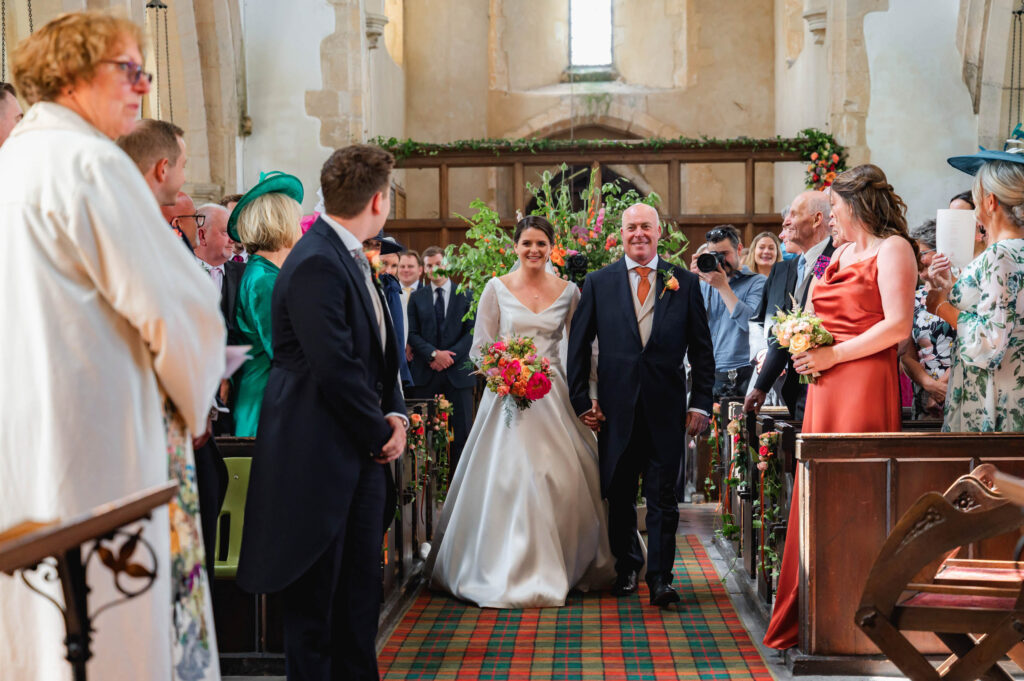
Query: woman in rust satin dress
(865, 298)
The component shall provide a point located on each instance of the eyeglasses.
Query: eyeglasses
(200, 219)
(132, 71)
(926, 251)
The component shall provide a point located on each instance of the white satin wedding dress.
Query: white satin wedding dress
(524, 521)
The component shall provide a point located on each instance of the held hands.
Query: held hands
(592, 419)
(696, 423)
(443, 360)
(936, 388)
(816, 360)
(395, 446)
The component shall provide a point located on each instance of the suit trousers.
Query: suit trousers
(660, 470)
(462, 411)
(330, 612)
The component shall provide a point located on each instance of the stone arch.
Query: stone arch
(631, 122)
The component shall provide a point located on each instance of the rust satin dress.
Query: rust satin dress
(860, 396)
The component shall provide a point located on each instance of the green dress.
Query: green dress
(253, 317)
(986, 381)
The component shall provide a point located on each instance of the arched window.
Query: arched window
(590, 34)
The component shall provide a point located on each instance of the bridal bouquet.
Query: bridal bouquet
(798, 331)
(515, 372)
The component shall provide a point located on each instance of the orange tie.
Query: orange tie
(644, 287)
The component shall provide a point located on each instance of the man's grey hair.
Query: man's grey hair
(209, 209)
(818, 203)
(925, 233)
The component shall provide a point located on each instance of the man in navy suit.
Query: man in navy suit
(320, 493)
(440, 340)
(646, 314)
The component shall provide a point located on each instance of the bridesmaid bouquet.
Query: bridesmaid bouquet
(515, 373)
(798, 331)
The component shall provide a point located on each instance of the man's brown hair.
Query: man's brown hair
(230, 198)
(412, 254)
(150, 141)
(432, 250)
(351, 177)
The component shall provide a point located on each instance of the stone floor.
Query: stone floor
(698, 519)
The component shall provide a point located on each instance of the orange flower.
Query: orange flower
(814, 156)
(670, 285)
(835, 158)
(558, 256)
(830, 177)
(501, 251)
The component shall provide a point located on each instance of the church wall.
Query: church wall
(687, 67)
(920, 111)
(282, 61)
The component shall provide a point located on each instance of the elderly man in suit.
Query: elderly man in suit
(440, 340)
(805, 230)
(320, 493)
(645, 314)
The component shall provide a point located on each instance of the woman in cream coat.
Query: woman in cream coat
(111, 353)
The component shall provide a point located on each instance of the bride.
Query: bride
(524, 522)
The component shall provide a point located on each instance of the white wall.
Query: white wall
(282, 55)
(801, 99)
(920, 111)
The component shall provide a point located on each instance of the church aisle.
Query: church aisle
(595, 636)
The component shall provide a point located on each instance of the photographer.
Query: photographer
(732, 293)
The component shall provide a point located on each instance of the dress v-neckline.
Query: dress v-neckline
(527, 307)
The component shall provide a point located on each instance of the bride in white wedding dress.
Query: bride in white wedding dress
(524, 521)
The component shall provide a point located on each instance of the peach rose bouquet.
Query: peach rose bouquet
(515, 373)
(799, 331)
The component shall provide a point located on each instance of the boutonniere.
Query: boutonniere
(671, 284)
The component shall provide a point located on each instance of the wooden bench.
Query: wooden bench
(853, 488)
(977, 610)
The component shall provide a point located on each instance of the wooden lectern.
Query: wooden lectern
(53, 550)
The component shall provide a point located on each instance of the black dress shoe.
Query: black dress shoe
(662, 593)
(625, 584)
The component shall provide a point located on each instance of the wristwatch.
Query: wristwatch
(433, 355)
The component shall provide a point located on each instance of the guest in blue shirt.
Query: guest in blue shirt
(732, 294)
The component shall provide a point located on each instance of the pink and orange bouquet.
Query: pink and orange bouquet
(515, 372)
(799, 331)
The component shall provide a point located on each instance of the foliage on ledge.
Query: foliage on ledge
(817, 148)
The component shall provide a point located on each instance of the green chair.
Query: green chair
(234, 509)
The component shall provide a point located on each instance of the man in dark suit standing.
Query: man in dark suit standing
(333, 416)
(639, 407)
(440, 340)
(805, 230)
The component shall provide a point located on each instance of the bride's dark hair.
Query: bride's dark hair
(534, 222)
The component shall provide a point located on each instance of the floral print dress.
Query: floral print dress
(933, 338)
(986, 384)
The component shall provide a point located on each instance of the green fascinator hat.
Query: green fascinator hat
(274, 182)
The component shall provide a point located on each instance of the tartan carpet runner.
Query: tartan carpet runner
(595, 636)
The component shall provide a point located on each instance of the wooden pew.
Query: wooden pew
(981, 619)
(853, 488)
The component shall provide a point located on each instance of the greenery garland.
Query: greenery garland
(814, 145)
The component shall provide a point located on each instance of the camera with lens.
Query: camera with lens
(576, 268)
(709, 262)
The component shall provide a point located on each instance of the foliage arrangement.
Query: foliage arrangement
(515, 373)
(586, 239)
(807, 142)
(825, 159)
(431, 455)
(769, 501)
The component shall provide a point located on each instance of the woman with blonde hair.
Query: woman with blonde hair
(265, 221)
(986, 304)
(111, 362)
(765, 250)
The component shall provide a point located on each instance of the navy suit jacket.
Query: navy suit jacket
(456, 335)
(628, 371)
(331, 383)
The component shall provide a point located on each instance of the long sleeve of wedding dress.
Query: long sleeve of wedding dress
(488, 321)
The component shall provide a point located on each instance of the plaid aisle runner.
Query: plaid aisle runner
(593, 637)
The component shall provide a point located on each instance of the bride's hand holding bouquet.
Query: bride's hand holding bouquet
(515, 372)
